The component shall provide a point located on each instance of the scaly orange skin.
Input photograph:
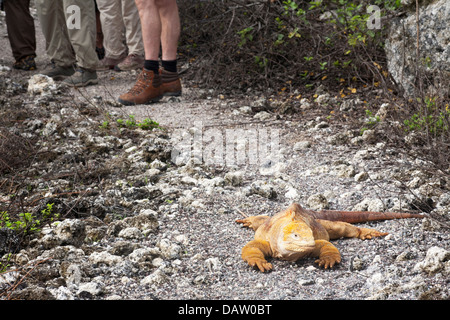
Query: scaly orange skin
(296, 233)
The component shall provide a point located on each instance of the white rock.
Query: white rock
(189, 181)
(437, 259)
(369, 136)
(362, 176)
(245, 110)
(169, 250)
(273, 168)
(370, 205)
(41, 84)
(234, 178)
(94, 288)
(317, 202)
(131, 233)
(73, 274)
(141, 255)
(4, 68)
(383, 111)
(263, 115)
(302, 145)
(157, 277)
(344, 171)
(198, 204)
(292, 194)
(104, 257)
(71, 231)
(212, 264)
(376, 205)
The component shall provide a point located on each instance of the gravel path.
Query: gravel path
(144, 224)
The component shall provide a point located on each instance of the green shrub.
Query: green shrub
(28, 223)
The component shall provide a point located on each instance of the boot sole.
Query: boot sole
(84, 84)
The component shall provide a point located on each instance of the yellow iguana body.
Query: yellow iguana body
(296, 233)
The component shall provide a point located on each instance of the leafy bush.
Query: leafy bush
(264, 44)
(26, 222)
(430, 119)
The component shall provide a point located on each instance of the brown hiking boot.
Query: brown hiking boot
(147, 89)
(171, 84)
(108, 63)
(131, 62)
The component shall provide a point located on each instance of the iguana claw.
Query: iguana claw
(328, 262)
(262, 265)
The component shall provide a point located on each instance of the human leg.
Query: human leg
(58, 46)
(83, 35)
(159, 19)
(170, 34)
(133, 36)
(170, 28)
(160, 27)
(99, 38)
(148, 85)
(83, 39)
(133, 31)
(112, 26)
(21, 31)
(151, 27)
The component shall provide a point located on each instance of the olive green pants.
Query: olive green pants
(69, 28)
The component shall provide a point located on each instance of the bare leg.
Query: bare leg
(151, 27)
(160, 27)
(170, 33)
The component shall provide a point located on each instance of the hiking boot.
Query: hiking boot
(59, 73)
(109, 63)
(132, 62)
(171, 83)
(26, 63)
(82, 78)
(147, 89)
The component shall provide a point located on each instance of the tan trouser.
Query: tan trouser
(70, 34)
(120, 25)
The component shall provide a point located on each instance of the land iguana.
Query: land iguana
(296, 233)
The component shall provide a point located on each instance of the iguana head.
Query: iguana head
(295, 240)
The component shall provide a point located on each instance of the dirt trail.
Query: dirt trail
(322, 165)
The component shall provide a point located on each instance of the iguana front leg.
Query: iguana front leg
(328, 254)
(254, 254)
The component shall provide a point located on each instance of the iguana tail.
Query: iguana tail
(360, 216)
